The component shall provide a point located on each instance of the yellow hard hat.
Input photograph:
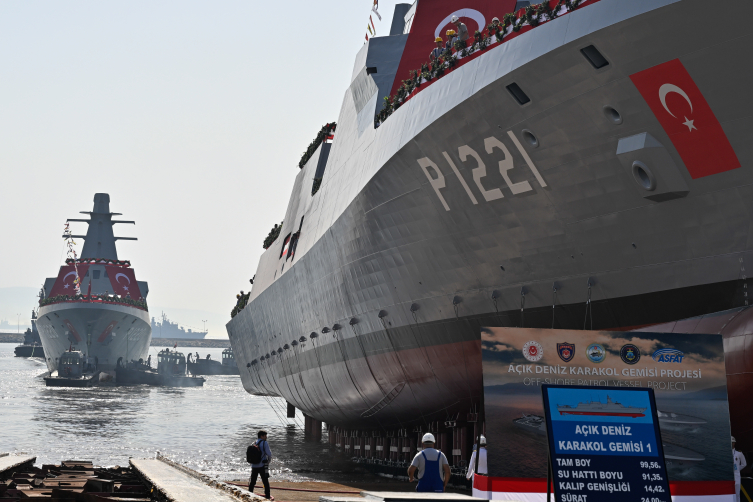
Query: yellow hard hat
(438, 39)
(450, 32)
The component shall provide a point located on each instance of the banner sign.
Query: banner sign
(685, 371)
(605, 442)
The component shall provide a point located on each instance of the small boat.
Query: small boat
(171, 366)
(671, 418)
(678, 456)
(74, 370)
(531, 423)
(32, 346)
(208, 366)
(135, 373)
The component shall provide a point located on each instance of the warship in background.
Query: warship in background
(108, 318)
(168, 329)
(32, 345)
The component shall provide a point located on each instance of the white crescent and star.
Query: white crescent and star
(669, 88)
(117, 279)
(469, 13)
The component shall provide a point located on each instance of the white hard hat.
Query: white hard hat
(454, 19)
(428, 438)
(483, 440)
(733, 439)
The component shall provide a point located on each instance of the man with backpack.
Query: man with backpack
(259, 455)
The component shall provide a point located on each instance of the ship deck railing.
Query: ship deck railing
(108, 300)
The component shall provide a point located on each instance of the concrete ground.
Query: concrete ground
(324, 488)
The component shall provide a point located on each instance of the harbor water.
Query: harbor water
(206, 428)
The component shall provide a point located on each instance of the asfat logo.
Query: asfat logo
(668, 356)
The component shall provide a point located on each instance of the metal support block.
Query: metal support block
(656, 175)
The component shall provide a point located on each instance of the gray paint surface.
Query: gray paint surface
(395, 245)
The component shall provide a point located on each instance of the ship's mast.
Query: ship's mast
(99, 241)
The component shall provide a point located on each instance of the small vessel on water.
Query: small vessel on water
(678, 456)
(531, 423)
(171, 366)
(671, 418)
(208, 366)
(608, 409)
(135, 373)
(74, 370)
(32, 346)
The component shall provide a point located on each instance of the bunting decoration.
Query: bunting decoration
(375, 9)
(72, 255)
(370, 27)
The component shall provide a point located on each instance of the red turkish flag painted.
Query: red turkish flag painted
(107, 331)
(64, 283)
(687, 118)
(123, 281)
(72, 329)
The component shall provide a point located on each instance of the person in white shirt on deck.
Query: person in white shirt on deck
(739, 460)
(482, 469)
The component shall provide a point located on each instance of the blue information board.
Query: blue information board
(604, 443)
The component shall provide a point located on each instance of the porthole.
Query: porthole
(530, 138)
(612, 115)
(643, 176)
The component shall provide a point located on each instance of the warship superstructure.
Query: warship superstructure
(593, 170)
(108, 318)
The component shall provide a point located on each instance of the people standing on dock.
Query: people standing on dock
(260, 468)
(482, 468)
(739, 461)
(432, 466)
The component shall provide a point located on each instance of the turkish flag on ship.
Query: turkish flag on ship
(123, 281)
(64, 283)
(433, 18)
(687, 118)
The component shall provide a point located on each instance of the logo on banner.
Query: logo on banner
(630, 354)
(596, 353)
(687, 118)
(668, 356)
(566, 351)
(533, 351)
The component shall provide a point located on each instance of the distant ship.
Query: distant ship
(106, 317)
(608, 409)
(167, 329)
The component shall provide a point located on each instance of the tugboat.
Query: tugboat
(208, 366)
(135, 373)
(74, 370)
(171, 366)
(32, 346)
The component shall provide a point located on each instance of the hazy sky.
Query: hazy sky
(191, 115)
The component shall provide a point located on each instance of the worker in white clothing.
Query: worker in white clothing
(482, 469)
(739, 460)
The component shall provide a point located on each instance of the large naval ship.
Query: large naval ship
(108, 318)
(168, 329)
(590, 170)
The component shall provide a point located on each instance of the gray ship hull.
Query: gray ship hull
(406, 278)
(114, 331)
